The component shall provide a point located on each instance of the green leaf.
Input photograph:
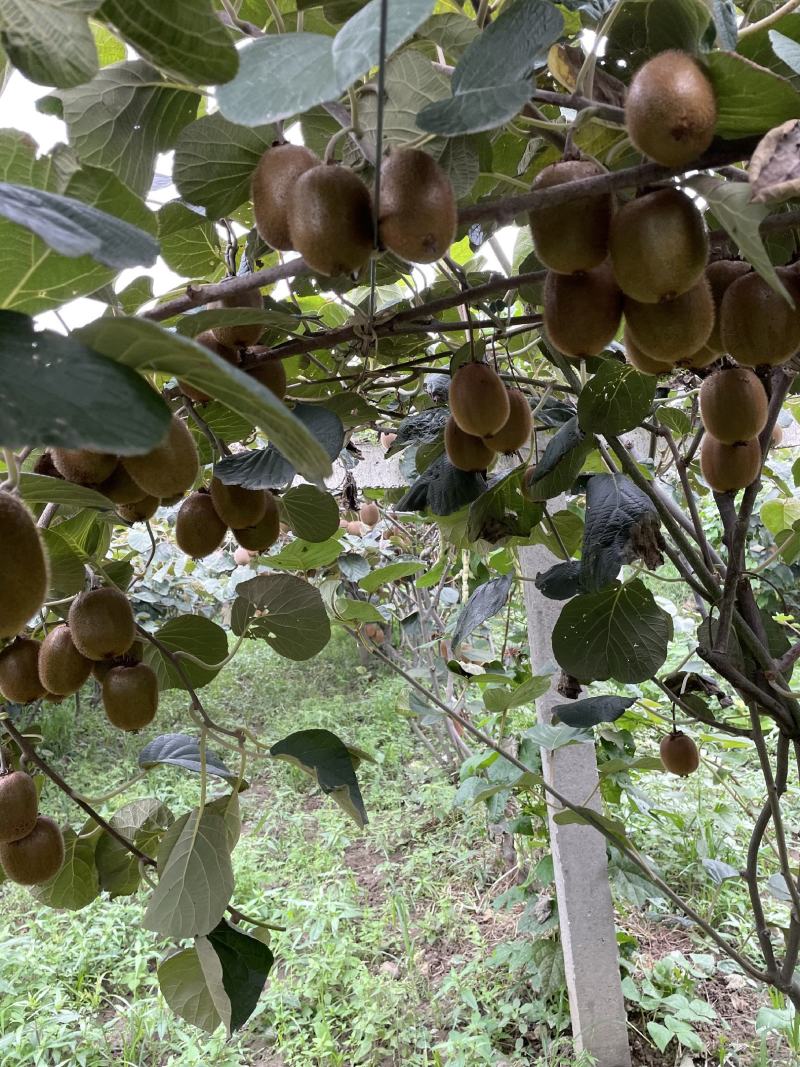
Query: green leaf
(782, 518)
(67, 570)
(180, 750)
(404, 568)
(40, 489)
(198, 321)
(487, 600)
(186, 987)
(50, 41)
(291, 616)
(358, 611)
(198, 636)
(183, 37)
(312, 514)
(786, 49)
(76, 884)
(581, 816)
(561, 462)
(143, 822)
(325, 758)
(196, 882)
(57, 391)
(305, 555)
(189, 242)
(618, 632)
(750, 98)
(503, 512)
(475, 110)
(146, 346)
(592, 710)
(660, 1034)
(555, 736)
(499, 699)
(615, 399)
(246, 963)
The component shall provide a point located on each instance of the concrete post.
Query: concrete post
(585, 908)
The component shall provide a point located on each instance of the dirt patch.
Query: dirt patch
(364, 861)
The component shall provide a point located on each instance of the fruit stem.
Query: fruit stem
(12, 482)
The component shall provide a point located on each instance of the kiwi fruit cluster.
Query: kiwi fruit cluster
(206, 515)
(325, 212)
(733, 407)
(31, 845)
(486, 418)
(679, 753)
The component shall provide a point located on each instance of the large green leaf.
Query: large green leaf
(50, 40)
(312, 513)
(285, 611)
(392, 572)
(328, 760)
(615, 399)
(560, 463)
(246, 962)
(198, 636)
(189, 242)
(750, 98)
(147, 346)
(142, 822)
(67, 571)
(76, 884)
(194, 992)
(180, 750)
(40, 489)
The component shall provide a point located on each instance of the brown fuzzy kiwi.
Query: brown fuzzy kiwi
(120, 487)
(23, 566)
(700, 359)
(640, 360)
(169, 468)
(571, 237)
(673, 330)
(582, 312)
(273, 180)
(102, 623)
(515, 433)
(330, 220)
(19, 671)
(271, 374)
(37, 857)
(757, 324)
(199, 530)
(721, 274)
(369, 513)
(464, 450)
(733, 405)
(44, 465)
(658, 246)
(776, 437)
(83, 467)
(19, 806)
(209, 341)
(265, 533)
(418, 207)
(728, 468)
(670, 109)
(679, 753)
(62, 668)
(246, 334)
(236, 506)
(139, 510)
(130, 696)
(478, 399)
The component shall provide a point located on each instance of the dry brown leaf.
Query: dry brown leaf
(774, 169)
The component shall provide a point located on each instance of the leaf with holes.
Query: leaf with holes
(285, 611)
(322, 756)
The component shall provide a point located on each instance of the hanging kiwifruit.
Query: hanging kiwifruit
(679, 753)
(670, 109)
(19, 806)
(37, 857)
(83, 467)
(703, 357)
(573, 236)
(169, 468)
(19, 671)
(245, 334)
(208, 340)
(464, 450)
(728, 468)
(478, 399)
(271, 374)
(330, 220)
(675, 329)
(418, 214)
(265, 532)
(23, 566)
(658, 246)
(776, 437)
(139, 510)
(236, 506)
(130, 696)
(757, 324)
(62, 668)
(102, 623)
(369, 513)
(640, 360)
(733, 405)
(515, 433)
(582, 312)
(273, 180)
(199, 530)
(721, 274)
(120, 487)
(44, 465)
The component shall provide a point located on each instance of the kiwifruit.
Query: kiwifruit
(721, 274)
(120, 487)
(264, 533)
(330, 220)
(418, 214)
(757, 324)
(227, 352)
(640, 360)
(703, 357)
(242, 557)
(357, 529)
(776, 437)
(574, 236)
(272, 183)
(658, 246)
(727, 468)
(139, 510)
(23, 566)
(102, 623)
(130, 696)
(199, 530)
(271, 374)
(36, 858)
(19, 671)
(675, 329)
(169, 468)
(369, 513)
(679, 753)
(733, 405)
(464, 450)
(246, 334)
(515, 432)
(44, 465)
(670, 109)
(82, 466)
(236, 506)
(582, 312)
(478, 399)
(387, 440)
(62, 668)
(19, 806)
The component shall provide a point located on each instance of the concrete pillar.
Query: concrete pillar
(585, 908)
